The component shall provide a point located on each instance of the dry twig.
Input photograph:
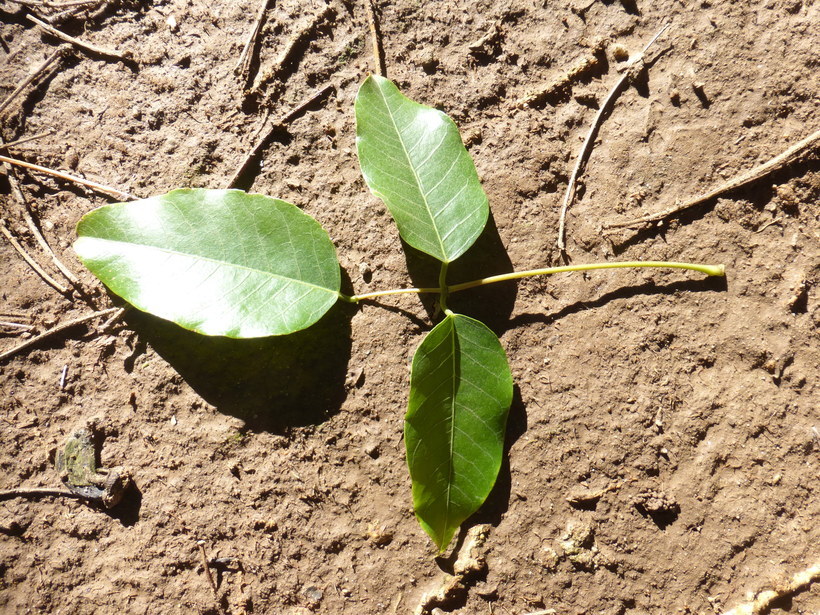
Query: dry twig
(15, 188)
(54, 5)
(277, 124)
(32, 226)
(15, 143)
(243, 66)
(375, 35)
(65, 176)
(16, 325)
(58, 54)
(634, 68)
(201, 545)
(28, 258)
(101, 51)
(39, 492)
(75, 10)
(54, 331)
(744, 179)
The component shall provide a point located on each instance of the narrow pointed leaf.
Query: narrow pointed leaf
(413, 159)
(460, 393)
(218, 262)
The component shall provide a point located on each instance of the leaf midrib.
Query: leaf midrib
(450, 477)
(415, 175)
(213, 260)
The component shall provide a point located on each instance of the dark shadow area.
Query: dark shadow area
(251, 166)
(709, 284)
(17, 17)
(630, 6)
(662, 515)
(783, 603)
(758, 193)
(127, 511)
(491, 304)
(271, 383)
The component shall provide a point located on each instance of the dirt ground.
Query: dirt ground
(689, 404)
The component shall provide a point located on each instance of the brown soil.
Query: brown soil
(694, 401)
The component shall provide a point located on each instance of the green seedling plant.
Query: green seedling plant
(228, 263)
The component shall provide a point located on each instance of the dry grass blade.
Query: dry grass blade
(65, 176)
(101, 51)
(32, 263)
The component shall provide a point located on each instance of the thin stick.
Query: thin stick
(763, 601)
(15, 186)
(39, 492)
(711, 270)
(633, 70)
(15, 325)
(16, 315)
(122, 57)
(376, 39)
(32, 263)
(244, 63)
(775, 164)
(39, 135)
(65, 5)
(201, 544)
(113, 320)
(73, 11)
(282, 121)
(78, 180)
(54, 331)
(54, 5)
(58, 53)
(47, 248)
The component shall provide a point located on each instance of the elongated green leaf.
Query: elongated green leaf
(219, 262)
(460, 393)
(413, 159)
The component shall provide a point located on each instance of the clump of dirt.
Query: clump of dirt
(270, 474)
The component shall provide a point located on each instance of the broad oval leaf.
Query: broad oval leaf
(460, 393)
(218, 262)
(413, 159)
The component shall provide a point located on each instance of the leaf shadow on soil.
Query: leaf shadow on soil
(271, 383)
(709, 284)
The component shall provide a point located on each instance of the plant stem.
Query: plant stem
(443, 288)
(718, 270)
(382, 293)
(711, 270)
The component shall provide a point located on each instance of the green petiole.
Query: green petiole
(444, 289)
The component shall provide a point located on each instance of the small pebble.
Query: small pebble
(313, 593)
